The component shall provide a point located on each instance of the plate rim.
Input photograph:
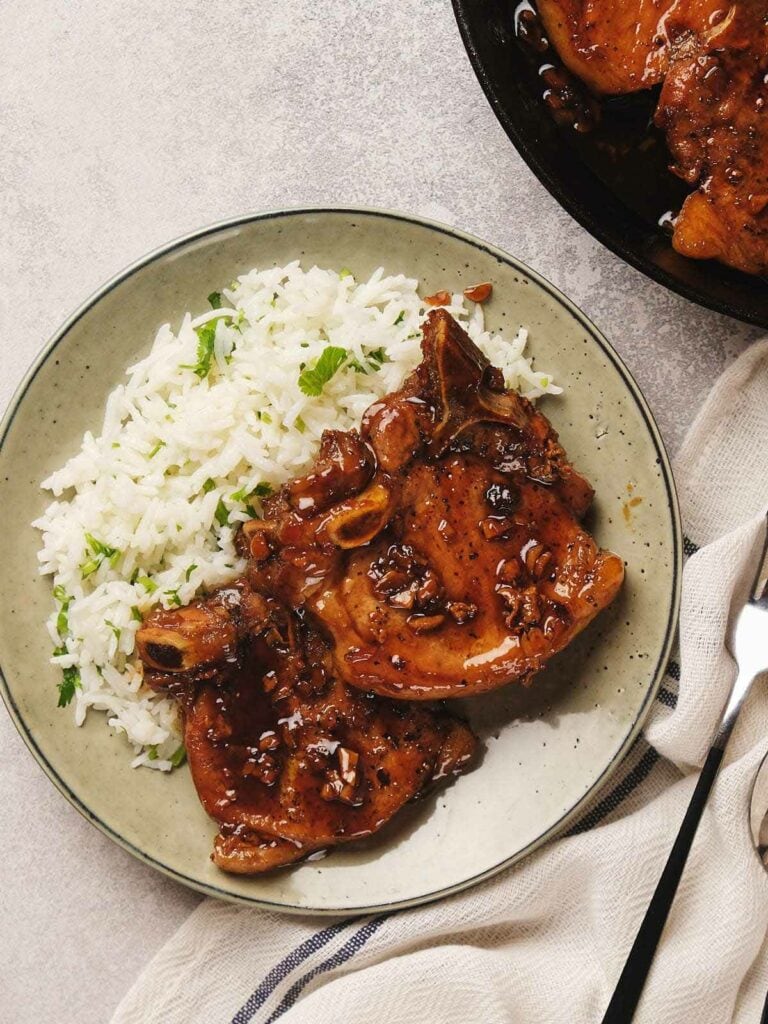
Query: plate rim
(569, 203)
(555, 829)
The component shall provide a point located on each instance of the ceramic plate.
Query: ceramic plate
(546, 748)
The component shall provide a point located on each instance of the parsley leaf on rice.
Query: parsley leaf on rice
(313, 380)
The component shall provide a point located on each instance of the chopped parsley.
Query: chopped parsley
(262, 490)
(208, 486)
(345, 272)
(156, 449)
(215, 300)
(136, 614)
(115, 629)
(221, 513)
(179, 756)
(100, 551)
(189, 572)
(68, 685)
(300, 425)
(149, 585)
(62, 619)
(265, 417)
(400, 318)
(313, 380)
(173, 597)
(89, 567)
(374, 360)
(206, 335)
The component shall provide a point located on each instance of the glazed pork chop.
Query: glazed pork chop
(712, 57)
(285, 758)
(440, 548)
(714, 110)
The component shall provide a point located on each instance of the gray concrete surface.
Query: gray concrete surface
(124, 124)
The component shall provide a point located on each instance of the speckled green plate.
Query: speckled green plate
(547, 748)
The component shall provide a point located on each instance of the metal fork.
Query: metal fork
(749, 648)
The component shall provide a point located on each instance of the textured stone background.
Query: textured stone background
(127, 122)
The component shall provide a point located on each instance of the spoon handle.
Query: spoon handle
(629, 988)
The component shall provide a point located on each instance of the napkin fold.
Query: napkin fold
(545, 941)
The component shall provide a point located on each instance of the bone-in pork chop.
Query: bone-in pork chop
(440, 548)
(284, 757)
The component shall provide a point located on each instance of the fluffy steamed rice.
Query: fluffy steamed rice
(205, 424)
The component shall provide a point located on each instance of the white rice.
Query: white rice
(176, 446)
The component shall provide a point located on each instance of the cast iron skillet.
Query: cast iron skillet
(613, 181)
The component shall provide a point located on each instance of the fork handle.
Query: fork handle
(629, 988)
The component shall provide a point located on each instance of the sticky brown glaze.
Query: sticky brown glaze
(712, 57)
(285, 757)
(462, 565)
(613, 46)
(714, 109)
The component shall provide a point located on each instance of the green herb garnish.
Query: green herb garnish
(156, 449)
(98, 547)
(374, 360)
(173, 597)
(208, 486)
(221, 513)
(89, 568)
(100, 552)
(262, 490)
(68, 685)
(149, 585)
(206, 335)
(215, 300)
(62, 619)
(152, 752)
(300, 425)
(189, 572)
(400, 318)
(265, 417)
(313, 380)
(136, 614)
(115, 629)
(178, 756)
(345, 272)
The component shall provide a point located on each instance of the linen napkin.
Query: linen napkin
(546, 940)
